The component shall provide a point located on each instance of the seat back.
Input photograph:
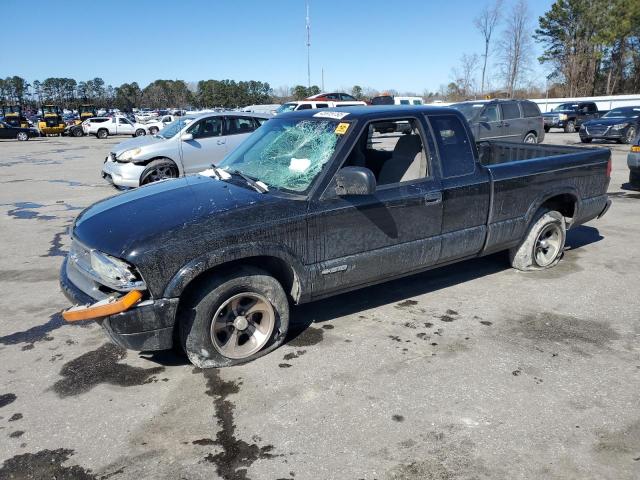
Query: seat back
(405, 161)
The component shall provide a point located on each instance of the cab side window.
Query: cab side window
(208, 127)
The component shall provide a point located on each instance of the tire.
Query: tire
(548, 228)
(630, 136)
(530, 138)
(634, 178)
(102, 133)
(22, 136)
(159, 169)
(570, 127)
(153, 130)
(77, 132)
(225, 297)
(546, 129)
(140, 133)
(586, 140)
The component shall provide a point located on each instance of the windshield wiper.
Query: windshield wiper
(258, 186)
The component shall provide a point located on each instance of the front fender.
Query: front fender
(210, 260)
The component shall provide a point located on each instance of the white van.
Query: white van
(310, 104)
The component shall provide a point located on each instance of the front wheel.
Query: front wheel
(570, 127)
(233, 318)
(543, 244)
(22, 136)
(153, 130)
(139, 132)
(77, 132)
(530, 138)
(160, 169)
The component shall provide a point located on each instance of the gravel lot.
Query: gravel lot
(471, 371)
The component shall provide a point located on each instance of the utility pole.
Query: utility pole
(308, 48)
(323, 79)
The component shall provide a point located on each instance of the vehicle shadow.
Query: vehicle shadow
(630, 187)
(419, 284)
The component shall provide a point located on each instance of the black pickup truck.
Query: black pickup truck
(569, 116)
(311, 205)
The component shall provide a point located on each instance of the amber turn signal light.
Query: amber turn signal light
(102, 308)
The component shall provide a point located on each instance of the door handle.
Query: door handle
(221, 142)
(505, 124)
(433, 197)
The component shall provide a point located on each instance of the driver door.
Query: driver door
(358, 240)
(207, 146)
(125, 127)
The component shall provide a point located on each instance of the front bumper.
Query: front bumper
(599, 134)
(122, 174)
(147, 326)
(553, 122)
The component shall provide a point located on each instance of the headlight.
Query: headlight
(620, 126)
(114, 273)
(562, 116)
(128, 154)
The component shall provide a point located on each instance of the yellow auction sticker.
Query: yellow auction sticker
(342, 128)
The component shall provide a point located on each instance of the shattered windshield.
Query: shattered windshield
(286, 154)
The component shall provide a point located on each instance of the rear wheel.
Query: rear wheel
(543, 245)
(139, 132)
(102, 133)
(22, 136)
(153, 130)
(159, 170)
(530, 138)
(634, 178)
(570, 127)
(77, 132)
(233, 318)
(546, 129)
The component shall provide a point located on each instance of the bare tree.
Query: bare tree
(515, 46)
(486, 23)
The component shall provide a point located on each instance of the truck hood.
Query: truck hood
(136, 142)
(553, 114)
(166, 212)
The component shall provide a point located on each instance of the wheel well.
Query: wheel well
(276, 267)
(565, 204)
(147, 162)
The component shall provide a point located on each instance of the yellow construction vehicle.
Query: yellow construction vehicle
(13, 116)
(51, 122)
(85, 112)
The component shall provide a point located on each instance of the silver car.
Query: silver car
(188, 145)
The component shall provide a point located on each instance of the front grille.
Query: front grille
(52, 122)
(596, 130)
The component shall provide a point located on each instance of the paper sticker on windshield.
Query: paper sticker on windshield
(342, 128)
(336, 115)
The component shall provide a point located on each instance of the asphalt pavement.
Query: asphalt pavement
(471, 371)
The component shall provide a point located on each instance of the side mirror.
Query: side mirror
(484, 118)
(355, 181)
(186, 137)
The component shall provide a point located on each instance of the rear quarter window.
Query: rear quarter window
(530, 109)
(454, 146)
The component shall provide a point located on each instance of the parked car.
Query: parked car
(508, 120)
(310, 105)
(633, 162)
(103, 127)
(19, 133)
(333, 97)
(188, 145)
(396, 100)
(569, 116)
(308, 208)
(155, 125)
(620, 124)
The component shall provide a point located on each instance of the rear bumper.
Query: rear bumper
(605, 209)
(147, 326)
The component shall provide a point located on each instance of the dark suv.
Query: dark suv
(507, 120)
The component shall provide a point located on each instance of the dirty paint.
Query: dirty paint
(99, 367)
(236, 455)
(44, 465)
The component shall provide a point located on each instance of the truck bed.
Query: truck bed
(494, 153)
